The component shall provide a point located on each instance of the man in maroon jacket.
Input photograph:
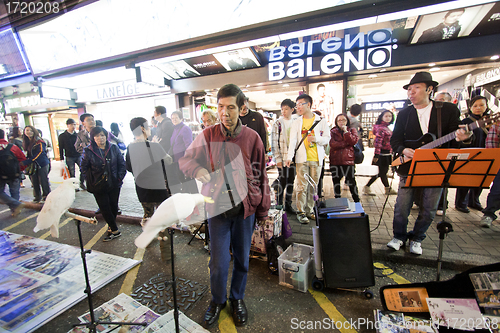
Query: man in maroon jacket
(14, 181)
(229, 159)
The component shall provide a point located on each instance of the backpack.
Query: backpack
(9, 164)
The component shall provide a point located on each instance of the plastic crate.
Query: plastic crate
(296, 267)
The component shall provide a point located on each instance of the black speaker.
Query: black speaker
(346, 251)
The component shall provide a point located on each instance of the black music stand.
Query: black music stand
(92, 325)
(445, 168)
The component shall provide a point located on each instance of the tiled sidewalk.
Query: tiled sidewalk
(468, 243)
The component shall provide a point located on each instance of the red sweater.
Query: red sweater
(245, 150)
(17, 152)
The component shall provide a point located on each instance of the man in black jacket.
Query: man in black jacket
(164, 129)
(413, 121)
(67, 149)
(448, 29)
(255, 121)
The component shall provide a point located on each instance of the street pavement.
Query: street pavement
(468, 245)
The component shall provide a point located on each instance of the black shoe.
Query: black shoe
(477, 207)
(463, 210)
(111, 236)
(212, 314)
(290, 210)
(83, 187)
(119, 212)
(98, 211)
(239, 311)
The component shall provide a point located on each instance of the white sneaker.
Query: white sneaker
(486, 221)
(368, 191)
(395, 244)
(439, 212)
(415, 247)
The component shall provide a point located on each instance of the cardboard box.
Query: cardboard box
(272, 227)
(296, 267)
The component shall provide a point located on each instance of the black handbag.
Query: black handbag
(358, 154)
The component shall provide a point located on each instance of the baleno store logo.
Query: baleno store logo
(360, 51)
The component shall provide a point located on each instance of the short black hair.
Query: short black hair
(85, 115)
(355, 110)
(2, 134)
(98, 123)
(288, 102)
(70, 121)
(160, 109)
(346, 117)
(306, 97)
(453, 11)
(96, 130)
(232, 90)
(138, 121)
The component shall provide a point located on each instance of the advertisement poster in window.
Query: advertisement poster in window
(327, 99)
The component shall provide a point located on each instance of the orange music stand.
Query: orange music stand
(469, 167)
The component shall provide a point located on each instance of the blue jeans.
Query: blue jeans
(404, 202)
(493, 200)
(225, 233)
(70, 162)
(13, 200)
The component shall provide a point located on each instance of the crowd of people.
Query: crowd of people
(229, 158)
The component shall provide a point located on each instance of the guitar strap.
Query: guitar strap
(474, 120)
(439, 105)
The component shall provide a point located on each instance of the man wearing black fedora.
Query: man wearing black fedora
(413, 122)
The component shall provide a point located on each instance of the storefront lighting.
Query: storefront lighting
(286, 85)
(432, 64)
(434, 69)
(372, 76)
(326, 28)
(495, 57)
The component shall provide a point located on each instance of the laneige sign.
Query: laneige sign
(353, 52)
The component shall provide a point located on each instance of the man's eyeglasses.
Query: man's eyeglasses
(305, 103)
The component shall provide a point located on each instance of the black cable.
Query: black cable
(386, 199)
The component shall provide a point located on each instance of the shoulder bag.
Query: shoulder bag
(303, 138)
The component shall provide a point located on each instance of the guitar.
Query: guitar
(429, 141)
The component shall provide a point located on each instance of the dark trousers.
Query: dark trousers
(493, 200)
(108, 204)
(41, 180)
(286, 178)
(468, 197)
(70, 163)
(338, 172)
(383, 166)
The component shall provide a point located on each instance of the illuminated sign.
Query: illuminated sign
(353, 52)
(32, 102)
(377, 106)
(117, 90)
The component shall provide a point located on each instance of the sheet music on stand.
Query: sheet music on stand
(469, 167)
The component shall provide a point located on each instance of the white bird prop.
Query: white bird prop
(56, 204)
(177, 207)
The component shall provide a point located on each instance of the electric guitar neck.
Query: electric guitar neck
(429, 141)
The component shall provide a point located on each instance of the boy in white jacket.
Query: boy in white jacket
(310, 154)
(280, 138)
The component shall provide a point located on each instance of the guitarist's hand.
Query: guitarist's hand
(408, 152)
(461, 134)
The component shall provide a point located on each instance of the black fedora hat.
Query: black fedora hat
(421, 77)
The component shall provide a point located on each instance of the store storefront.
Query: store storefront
(46, 114)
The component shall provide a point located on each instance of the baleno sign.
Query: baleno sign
(361, 51)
